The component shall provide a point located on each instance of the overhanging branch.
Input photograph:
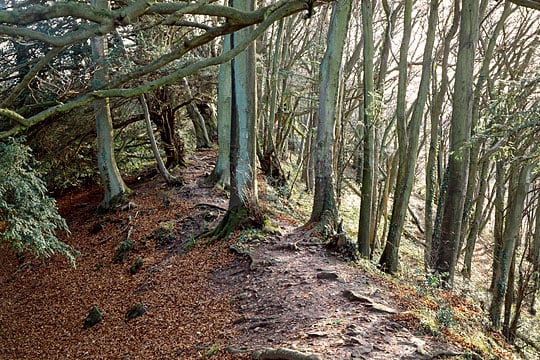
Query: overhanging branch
(531, 4)
(284, 9)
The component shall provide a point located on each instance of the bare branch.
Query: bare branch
(531, 4)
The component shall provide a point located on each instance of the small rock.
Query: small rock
(136, 311)
(364, 349)
(353, 296)
(383, 308)
(327, 275)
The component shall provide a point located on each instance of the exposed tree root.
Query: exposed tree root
(283, 354)
(238, 218)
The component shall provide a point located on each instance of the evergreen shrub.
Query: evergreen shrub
(29, 218)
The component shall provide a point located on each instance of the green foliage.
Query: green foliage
(29, 218)
(445, 317)
(433, 282)
(122, 251)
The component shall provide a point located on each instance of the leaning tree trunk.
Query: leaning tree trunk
(458, 160)
(199, 124)
(171, 180)
(324, 209)
(112, 182)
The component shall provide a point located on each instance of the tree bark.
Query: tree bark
(519, 185)
(365, 219)
(171, 180)
(221, 175)
(112, 181)
(324, 201)
(458, 160)
(244, 210)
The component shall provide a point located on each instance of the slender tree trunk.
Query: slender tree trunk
(171, 180)
(474, 230)
(475, 149)
(365, 220)
(498, 226)
(324, 201)
(535, 255)
(519, 186)
(112, 182)
(408, 149)
(458, 160)
(199, 124)
(434, 153)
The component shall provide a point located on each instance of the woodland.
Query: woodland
(382, 147)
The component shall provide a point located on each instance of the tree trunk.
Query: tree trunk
(433, 152)
(458, 160)
(201, 134)
(112, 182)
(498, 226)
(324, 201)
(519, 185)
(163, 114)
(221, 175)
(171, 180)
(244, 210)
(474, 230)
(365, 219)
(408, 145)
(476, 145)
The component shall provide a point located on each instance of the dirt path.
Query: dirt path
(292, 293)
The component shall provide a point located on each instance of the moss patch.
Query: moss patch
(94, 317)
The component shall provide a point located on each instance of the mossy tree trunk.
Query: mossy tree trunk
(364, 223)
(324, 209)
(113, 183)
(519, 182)
(408, 143)
(433, 167)
(244, 210)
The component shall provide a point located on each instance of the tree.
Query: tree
(408, 141)
(244, 209)
(18, 23)
(112, 181)
(455, 180)
(364, 223)
(221, 175)
(324, 209)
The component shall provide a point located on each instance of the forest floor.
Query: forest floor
(252, 292)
